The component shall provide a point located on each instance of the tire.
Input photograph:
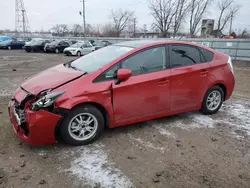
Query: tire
(9, 47)
(28, 50)
(69, 128)
(207, 107)
(78, 54)
(57, 51)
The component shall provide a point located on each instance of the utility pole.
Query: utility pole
(84, 19)
(231, 23)
(144, 30)
(134, 30)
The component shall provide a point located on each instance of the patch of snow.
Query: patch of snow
(93, 168)
(234, 113)
(241, 115)
(164, 131)
(146, 144)
(201, 120)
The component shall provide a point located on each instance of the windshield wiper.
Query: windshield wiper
(73, 67)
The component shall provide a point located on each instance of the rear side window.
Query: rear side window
(208, 56)
(184, 55)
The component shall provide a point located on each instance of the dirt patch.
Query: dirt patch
(186, 150)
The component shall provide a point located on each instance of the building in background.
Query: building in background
(207, 27)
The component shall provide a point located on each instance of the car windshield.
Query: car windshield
(77, 45)
(6, 42)
(54, 42)
(97, 43)
(99, 58)
(36, 42)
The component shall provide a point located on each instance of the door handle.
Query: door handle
(163, 82)
(204, 72)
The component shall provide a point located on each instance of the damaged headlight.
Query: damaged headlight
(46, 100)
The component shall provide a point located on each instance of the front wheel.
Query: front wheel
(213, 100)
(57, 51)
(78, 54)
(83, 125)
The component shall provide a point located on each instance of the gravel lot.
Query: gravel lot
(187, 150)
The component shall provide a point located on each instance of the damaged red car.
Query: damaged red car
(117, 85)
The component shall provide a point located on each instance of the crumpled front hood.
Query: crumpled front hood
(50, 79)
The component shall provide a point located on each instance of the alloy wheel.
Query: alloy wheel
(83, 126)
(213, 100)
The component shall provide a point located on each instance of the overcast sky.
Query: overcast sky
(47, 13)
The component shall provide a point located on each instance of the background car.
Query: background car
(11, 44)
(117, 85)
(32, 40)
(97, 44)
(106, 43)
(4, 38)
(79, 49)
(57, 46)
(35, 46)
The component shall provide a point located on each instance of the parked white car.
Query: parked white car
(79, 49)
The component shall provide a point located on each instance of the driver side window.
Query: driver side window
(147, 61)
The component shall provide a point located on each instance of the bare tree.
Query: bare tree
(197, 10)
(243, 33)
(108, 30)
(60, 29)
(227, 10)
(163, 13)
(120, 19)
(76, 30)
(181, 8)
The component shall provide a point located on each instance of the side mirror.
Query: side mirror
(123, 75)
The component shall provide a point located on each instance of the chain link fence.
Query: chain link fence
(238, 49)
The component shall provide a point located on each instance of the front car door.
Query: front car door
(189, 77)
(86, 48)
(147, 91)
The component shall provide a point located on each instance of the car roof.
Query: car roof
(152, 42)
(136, 43)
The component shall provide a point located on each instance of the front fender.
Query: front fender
(105, 102)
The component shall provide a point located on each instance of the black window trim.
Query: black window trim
(167, 61)
(202, 59)
(205, 60)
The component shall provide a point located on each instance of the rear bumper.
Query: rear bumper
(230, 85)
(41, 126)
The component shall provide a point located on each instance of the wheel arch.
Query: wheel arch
(95, 104)
(99, 107)
(223, 87)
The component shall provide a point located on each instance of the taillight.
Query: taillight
(230, 64)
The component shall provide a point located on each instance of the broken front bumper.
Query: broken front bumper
(34, 127)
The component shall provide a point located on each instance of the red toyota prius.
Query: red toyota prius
(117, 85)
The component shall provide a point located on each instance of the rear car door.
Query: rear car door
(86, 48)
(14, 44)
(189, 77)
(147, 91)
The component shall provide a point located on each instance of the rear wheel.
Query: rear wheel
(78, 53)
(213, 100)
(83, 125)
